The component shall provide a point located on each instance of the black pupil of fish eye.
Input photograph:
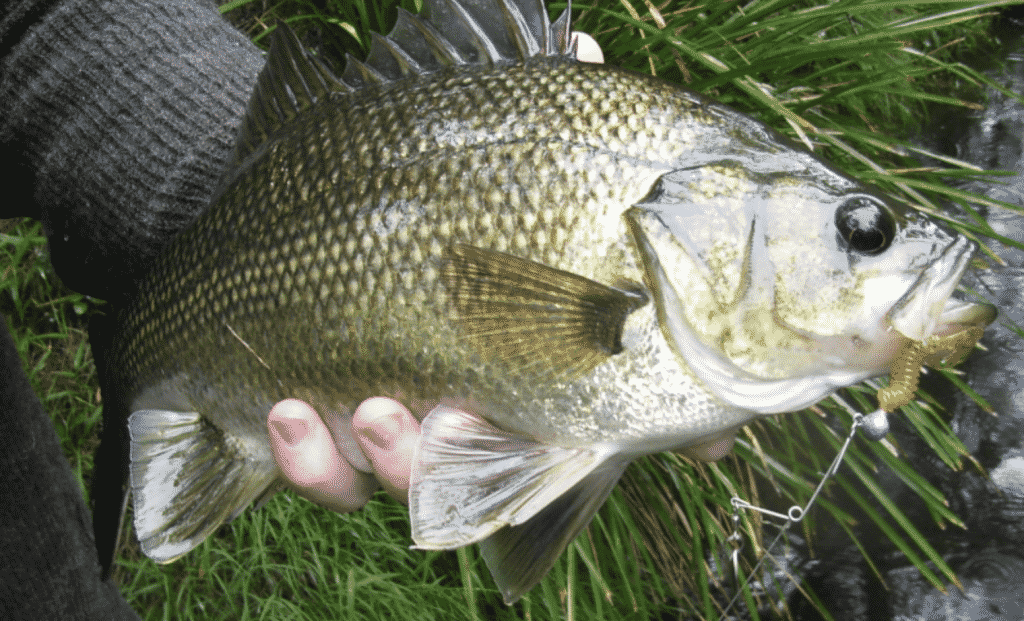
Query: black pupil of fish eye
(865, 226)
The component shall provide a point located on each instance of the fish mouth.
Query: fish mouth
(930, 307)
(959, 314)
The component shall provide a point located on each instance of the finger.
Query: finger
(587, 49)
(387, 432)
(309, 460)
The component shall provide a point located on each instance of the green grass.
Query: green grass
(851, 79)
(49, 325)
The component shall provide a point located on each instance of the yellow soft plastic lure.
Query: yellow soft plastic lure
(938, 352)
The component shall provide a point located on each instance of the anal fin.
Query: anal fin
(186, 481)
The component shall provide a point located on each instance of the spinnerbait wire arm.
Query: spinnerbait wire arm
(935, 351)
(795, 513)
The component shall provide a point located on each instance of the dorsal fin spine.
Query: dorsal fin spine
(293, 79)
(559, 43)
(439, 46)
(525, 40)
(317, 76)
(407, 63)
(480, 39)
(283, 100)
(358, 73)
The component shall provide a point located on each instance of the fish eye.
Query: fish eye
(865, 226)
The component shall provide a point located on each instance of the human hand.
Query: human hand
(587, 49)
(307, 456)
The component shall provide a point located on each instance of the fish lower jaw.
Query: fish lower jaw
(957, 316)
(931, 307)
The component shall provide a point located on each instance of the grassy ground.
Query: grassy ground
(851, 79)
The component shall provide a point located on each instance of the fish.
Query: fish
(572, 264)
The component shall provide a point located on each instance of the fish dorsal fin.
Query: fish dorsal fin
(446, 33)
(468, 32)
(291, 81)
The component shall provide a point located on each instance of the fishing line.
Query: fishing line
(877, 420)
(935, 351)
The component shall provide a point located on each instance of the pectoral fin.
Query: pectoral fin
(522, 499)
(534, 316)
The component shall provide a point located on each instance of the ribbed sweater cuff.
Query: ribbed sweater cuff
(123, 115)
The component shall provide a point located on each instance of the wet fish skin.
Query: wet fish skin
(525, 241)
(310, 257)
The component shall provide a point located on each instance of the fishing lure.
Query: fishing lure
(938, 352)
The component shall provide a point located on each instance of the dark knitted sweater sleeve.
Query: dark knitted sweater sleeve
(121, 116)
(48, 563)
(116, 119)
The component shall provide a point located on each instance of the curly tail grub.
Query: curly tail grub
(938, 352)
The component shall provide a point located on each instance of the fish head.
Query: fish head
(778, 280)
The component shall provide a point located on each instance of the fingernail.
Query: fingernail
(383, 432)
(291, 431)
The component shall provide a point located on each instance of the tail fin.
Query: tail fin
(187, 479)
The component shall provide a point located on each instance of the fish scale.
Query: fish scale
(528, 243)
(263, 273)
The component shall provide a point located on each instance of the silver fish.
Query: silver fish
(577, 264)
